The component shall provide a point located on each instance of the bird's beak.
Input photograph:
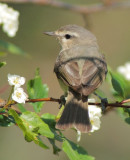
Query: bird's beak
(50, 33)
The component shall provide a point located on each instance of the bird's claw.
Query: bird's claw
(104, 103)
(62, 101)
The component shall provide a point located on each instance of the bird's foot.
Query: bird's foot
(62, 101)
(104, 103)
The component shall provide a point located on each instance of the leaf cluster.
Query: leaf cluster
(36, 128)
(120, 89)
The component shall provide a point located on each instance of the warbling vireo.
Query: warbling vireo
(80, 69)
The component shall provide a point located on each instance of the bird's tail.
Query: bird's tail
(75, 114)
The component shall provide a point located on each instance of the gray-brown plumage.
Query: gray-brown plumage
(80, 69)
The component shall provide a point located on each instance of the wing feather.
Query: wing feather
(69, 73)
(93, 73)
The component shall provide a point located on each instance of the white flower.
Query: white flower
(94, 115)
(3, 7)
(78, 135)
(9, 19)
(95, 122)
(15, 80)
(94, 111)
(19, 95)
(125, 70)
(11, 28)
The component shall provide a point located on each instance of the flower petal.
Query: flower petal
(15, 80)
(125, 70)
(9, 19)
(94, 115)
(19, 95)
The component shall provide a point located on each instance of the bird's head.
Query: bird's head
(71, 35)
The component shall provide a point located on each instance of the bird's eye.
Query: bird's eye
(67, 36)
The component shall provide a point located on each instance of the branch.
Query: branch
(117, 104)
(50, 99)
(76, 8)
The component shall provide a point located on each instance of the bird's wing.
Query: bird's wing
(69, 74)
(82, 74)
(93, 74)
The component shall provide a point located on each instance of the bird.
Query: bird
(80, 69)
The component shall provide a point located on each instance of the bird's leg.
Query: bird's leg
(62, 101)
(104, 102)
(61, 107)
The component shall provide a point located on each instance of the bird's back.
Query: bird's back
(82, 68)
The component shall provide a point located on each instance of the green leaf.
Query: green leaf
(128, 120)
(21, 108)
(118, 84)
(11, 48)
(5, 121)
(74, 151)
(36, 124)
(41, 144)
(56, 149)
(125, 114)
(121, 92)
(2, 64)
(36, 89)
(49, 119)
(27, 130)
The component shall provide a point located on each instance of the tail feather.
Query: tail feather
(82, 122)
(75, 114)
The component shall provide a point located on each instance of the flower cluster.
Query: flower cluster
(125, 70)
(9, 19)
(18, 95)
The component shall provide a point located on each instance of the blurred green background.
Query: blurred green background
(112, 29)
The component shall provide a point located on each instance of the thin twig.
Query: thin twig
(44, 99)
(76, 8)
(117, 104)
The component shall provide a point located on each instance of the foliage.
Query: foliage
(7, 47)
(34, 126)
(2, 64)
(74, 151)
(35, 89)
(120, 91)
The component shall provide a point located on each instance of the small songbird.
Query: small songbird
(80, 69)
